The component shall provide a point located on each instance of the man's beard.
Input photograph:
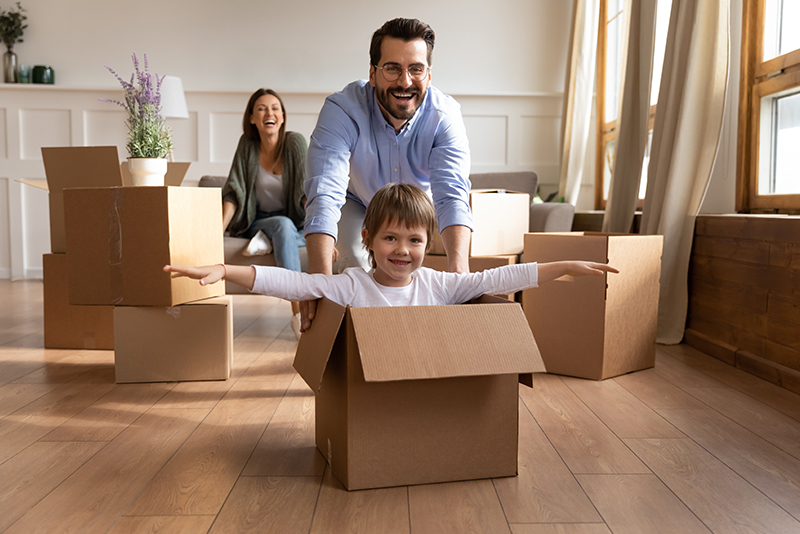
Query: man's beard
(391, 107)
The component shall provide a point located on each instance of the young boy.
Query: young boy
(398, 227)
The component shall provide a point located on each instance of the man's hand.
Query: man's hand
(456, 244)
(321, 255)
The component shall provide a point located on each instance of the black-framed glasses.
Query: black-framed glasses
(392, 72)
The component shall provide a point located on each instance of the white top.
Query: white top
(358, 288)
(269, 191)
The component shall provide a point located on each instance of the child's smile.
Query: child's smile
(398, 251)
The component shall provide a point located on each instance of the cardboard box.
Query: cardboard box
(476, 264)
(416, 395)
(120, 238)
(501, 219)
(173, 344)
(67, 326)
(596, 327)
(85, 166)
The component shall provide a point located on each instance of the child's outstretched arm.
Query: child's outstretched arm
(242, 275)
(556, 269)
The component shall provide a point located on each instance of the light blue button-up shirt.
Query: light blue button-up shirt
(354, 152)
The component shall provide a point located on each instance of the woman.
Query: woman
(263, 198)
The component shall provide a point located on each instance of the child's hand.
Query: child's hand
(588, 268)
(207, 274)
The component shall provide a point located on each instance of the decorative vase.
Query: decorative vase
(147, 171)
(10, 67)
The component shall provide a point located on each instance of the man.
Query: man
(395, 127)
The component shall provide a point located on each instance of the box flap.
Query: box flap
(316, 343)
(498, 191)
(38, 184)
(76, 166)
(176, 171)
(418, 342)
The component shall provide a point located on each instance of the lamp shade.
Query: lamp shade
(173, 101)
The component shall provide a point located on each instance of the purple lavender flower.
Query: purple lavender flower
(148, 135)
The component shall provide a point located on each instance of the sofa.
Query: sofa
(545, 217)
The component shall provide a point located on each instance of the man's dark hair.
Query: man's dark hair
(405, 29)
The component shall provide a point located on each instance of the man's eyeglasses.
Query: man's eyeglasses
(391, 73)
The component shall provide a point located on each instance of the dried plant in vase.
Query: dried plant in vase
(12, 26)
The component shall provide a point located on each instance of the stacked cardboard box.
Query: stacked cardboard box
(111, 243)
(501, 219)
(596, 327)
(476, 264)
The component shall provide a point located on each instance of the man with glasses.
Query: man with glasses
(395, 127)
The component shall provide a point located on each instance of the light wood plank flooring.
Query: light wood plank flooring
(692, 445)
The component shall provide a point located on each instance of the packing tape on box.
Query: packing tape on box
(174, 312)
(115, 243)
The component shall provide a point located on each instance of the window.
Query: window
(610, 63)
(768, 166)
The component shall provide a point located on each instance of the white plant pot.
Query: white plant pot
(147, 171)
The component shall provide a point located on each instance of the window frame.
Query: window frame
(606, 131)
(758, 79)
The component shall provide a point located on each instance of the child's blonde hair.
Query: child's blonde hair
(404, 203)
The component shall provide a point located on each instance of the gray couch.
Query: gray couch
(547, 217)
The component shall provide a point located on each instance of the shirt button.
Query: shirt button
(394, 144)
(395, 170)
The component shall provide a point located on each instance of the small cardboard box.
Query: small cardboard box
(501, 219)
(416, 395)
(120, 238)
(174, 344)
(85, 166)
(67, 326)
(476, 263)
(596, 327)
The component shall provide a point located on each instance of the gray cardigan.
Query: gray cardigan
(240, 187)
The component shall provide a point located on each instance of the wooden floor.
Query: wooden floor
(692, 445)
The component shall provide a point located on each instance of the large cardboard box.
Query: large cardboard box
(120, 238)
(172, 344)
(596, 327)
(67, 326)
(415, 395)
(85, 166)
(501, 219)
(476, 264)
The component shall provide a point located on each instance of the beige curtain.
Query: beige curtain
(686, 136)
(632, 124)
(577, 108)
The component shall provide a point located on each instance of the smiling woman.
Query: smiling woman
(263, 199)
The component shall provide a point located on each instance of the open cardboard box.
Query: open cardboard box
(85, 166)
(172, 344)
(416, 395)
(596, 327)
(120, 238)
(501, 219)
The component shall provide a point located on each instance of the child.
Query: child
(398, 227)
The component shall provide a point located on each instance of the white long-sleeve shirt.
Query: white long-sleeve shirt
(358, 288)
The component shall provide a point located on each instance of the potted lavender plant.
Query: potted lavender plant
(149, 139)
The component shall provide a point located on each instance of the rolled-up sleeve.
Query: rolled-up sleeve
(449, 170)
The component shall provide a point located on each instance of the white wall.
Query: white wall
(502, 46)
